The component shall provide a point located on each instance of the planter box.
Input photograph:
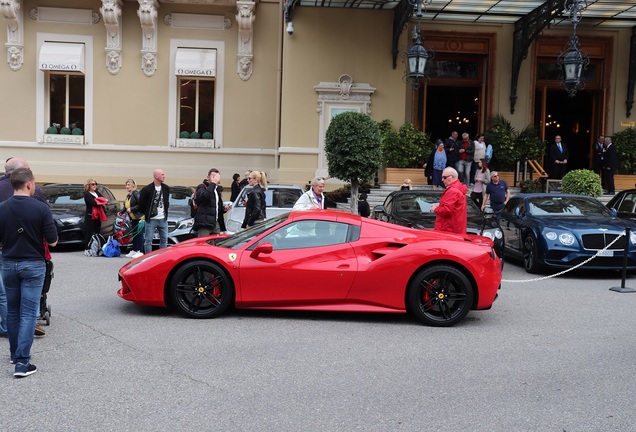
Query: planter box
(624, 181)
(63, 139)
(397, 175)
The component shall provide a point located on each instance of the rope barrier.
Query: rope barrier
(566, 270)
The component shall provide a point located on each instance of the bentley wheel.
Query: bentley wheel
(201, 289)
(530, 254)
(440, 296)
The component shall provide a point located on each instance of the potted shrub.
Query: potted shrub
(582, 182)
(510, 145)
(352, 146)
(404, 152)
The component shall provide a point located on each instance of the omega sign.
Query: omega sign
(195, 72)
(53, 66)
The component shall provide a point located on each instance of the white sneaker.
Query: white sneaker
(131, 253)
(138, 254)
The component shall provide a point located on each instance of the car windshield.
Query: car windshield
(180, 196)
(240, 238)
(281, 197)
(64, 195)
(566, 206)
(418, 204)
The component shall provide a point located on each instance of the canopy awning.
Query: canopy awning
(61, 56)
(195, 62)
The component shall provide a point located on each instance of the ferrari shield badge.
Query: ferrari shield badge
(232, 257)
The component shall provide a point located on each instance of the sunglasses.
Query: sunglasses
(445, 177)
(93, 184)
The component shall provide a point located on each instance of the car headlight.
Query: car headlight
(632, 237)
(185, 223)
(551, 235)
(567, 239)
(71, 220)
(489, 235)
(498, 234)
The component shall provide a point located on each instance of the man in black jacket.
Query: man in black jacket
(154, 203)
(207, 198)
(610, 165)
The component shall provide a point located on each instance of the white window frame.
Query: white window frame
(219, 93)
(41, 87)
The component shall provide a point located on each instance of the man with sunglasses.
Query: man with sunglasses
(451, 211)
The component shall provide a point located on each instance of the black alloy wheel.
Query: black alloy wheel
(440, 296)
(531, 254)
(201, 289)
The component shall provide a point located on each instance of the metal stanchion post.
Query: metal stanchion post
(622, 288)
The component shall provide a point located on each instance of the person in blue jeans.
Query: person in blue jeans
(25, 224)
(3, 305)
(154, 202)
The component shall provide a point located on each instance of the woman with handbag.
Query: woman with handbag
(94, 210)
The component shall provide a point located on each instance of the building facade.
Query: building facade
(112, 89)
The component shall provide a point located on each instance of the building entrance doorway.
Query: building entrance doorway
(452, 109)
(572, 119)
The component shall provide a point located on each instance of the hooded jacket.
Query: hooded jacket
(451, 212)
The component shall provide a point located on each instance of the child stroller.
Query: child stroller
(125, 232)
(45, 308)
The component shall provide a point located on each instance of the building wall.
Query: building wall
(275, 109)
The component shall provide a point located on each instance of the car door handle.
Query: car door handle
(343, 266)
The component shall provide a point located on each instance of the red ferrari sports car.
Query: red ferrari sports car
(321, 261)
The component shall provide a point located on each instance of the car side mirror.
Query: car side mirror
(614, 212)
(518, 213)
(262, 248)
(379, 210)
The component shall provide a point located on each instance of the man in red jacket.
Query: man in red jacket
(451, 211)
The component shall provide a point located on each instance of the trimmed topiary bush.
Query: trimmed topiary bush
(352, 145)
(582, 182)
(51, 130)
(406, 148)
(207, 135)
(195, 135)
(65, 131)
(184, 134)
(625, 142)
(77, 131)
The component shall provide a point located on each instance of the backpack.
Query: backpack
(95, 244)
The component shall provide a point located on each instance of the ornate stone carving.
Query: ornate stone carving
(344, 91)
(111, 11)
(245, 67)
(149, 63)
(147, 13)
(12, 12)
(245, 20)
(113, 61)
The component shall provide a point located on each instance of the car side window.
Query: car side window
(308, 233)
(627, 205)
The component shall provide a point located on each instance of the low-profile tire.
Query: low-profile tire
(201, 289)
(531, 254)
(440, 296)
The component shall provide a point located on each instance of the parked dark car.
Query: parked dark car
(68, 209)
(624, 202)
(179, 220)
(412, 208)
(562, 231)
